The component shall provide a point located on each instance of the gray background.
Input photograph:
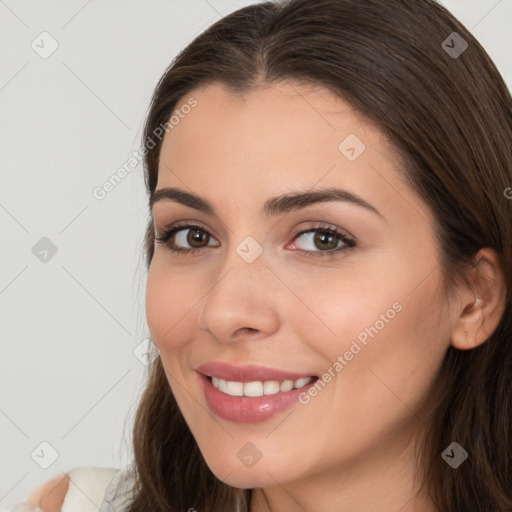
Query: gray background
(72, 320)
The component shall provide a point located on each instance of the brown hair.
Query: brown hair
(450, 120)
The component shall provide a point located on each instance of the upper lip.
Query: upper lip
(248, 373)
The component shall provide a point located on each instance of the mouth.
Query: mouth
(259, 388)
(251, 393)
(252, 401)
(250, 373)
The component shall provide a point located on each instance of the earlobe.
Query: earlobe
(485, 303)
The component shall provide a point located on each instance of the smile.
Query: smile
(258, 388)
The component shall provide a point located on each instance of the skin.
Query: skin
(50, 496)
(351, 447)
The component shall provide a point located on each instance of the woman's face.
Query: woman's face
(367, 318)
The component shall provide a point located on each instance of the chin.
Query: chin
(246, 479)
(236, 475)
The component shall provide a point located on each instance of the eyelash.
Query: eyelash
(349, 243)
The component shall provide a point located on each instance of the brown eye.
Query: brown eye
(185, 235)
(196, 237)
(192, 238)
(323, 241)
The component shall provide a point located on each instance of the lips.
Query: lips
(244, 409)
(248, 373)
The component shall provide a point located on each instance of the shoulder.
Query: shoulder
(77, 489)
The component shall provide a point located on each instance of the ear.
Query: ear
(482, 305)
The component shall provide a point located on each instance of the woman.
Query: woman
(329, 268)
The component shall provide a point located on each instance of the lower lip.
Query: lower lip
(243, 409)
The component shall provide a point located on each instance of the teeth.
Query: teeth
(299, 383)
(235, 388)
(287, 385)
(253, 388)
(258, 388)
(271, 387)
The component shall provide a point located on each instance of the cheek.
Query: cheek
(342, 308)
(401, 358)
(373, 320)
(171, 302)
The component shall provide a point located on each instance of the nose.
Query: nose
(243, 302)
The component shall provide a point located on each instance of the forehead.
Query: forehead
(282, 115)
(279, 138)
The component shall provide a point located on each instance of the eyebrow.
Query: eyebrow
(275, 206)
